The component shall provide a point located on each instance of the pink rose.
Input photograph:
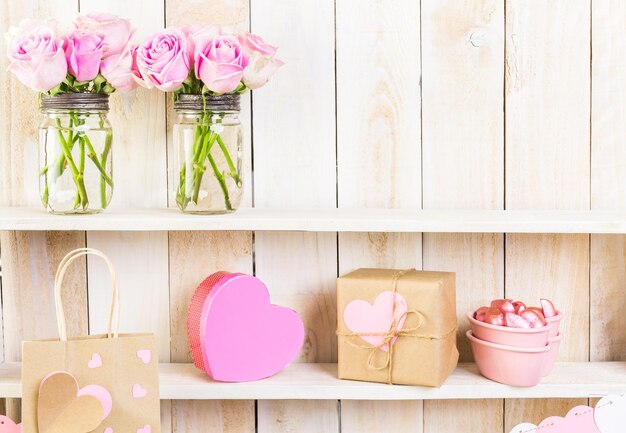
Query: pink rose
(255, 44)
(263, 62)
(117, 31)
(219, 62)
(121, 71)
(163, 61)
(36, 57)
(195, 32)
(84, 50)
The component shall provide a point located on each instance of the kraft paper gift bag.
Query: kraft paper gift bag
(98, 383)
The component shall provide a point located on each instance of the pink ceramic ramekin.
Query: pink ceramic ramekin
(555, 342)
(518, 337)
(516, 366)
(554, 323)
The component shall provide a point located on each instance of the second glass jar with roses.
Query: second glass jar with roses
(208, 141)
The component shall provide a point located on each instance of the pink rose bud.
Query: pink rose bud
(121, 71)
(263, 62)
(117, 31)
(162, 60)
(36, 57)
(84, 50)
(219, 62)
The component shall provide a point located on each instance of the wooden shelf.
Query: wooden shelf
(325, 220)
(319, 382)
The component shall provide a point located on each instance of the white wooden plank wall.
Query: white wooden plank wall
(547, 167)
(440, 104)
(379, 158)
(462, 130)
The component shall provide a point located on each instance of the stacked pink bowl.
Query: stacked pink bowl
(515, 344)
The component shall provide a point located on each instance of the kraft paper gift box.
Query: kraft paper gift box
(420, 325)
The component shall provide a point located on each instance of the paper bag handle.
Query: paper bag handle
(58, 279)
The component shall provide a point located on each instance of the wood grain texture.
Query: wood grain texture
(379, 157)
(294, 165)
(30, 261)
(608, 178)
(381, 416)
(296, 416)
(443, 416)
(547, 167)
(193, 257)
(463, 167)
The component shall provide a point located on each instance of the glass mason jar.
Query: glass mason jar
(208, 141)
(75, 137)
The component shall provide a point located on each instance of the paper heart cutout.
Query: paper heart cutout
(362, 317)
(578, 420)
(610, 414)
(60, 408)
(102, 395)
(145, 429)
(525, 427)
(139, 391)
(243, 337)
(95, 361)
(144, 355)
(7, 425)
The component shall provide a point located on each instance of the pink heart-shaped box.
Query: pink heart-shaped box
(242, 336)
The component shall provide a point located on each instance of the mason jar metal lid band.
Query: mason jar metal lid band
(227, 102)
(76, 101)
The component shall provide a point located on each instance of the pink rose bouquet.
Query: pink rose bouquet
(209, 62)
(89, 62)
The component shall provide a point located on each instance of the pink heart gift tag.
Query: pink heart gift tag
(242, 336)
(361, 317)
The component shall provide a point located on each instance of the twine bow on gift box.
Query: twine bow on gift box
(392, 333)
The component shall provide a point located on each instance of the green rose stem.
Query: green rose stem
(229, 161)
(222, 182)
(199, 167)
(78, 179)
(103, 178)
(81, 170)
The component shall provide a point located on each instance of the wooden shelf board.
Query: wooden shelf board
(325, 220)
(319, 382)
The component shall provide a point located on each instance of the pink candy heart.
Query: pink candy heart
(243, 337)
(361, 317)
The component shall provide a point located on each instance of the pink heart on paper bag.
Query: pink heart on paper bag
(244, 337)
(361, 317)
